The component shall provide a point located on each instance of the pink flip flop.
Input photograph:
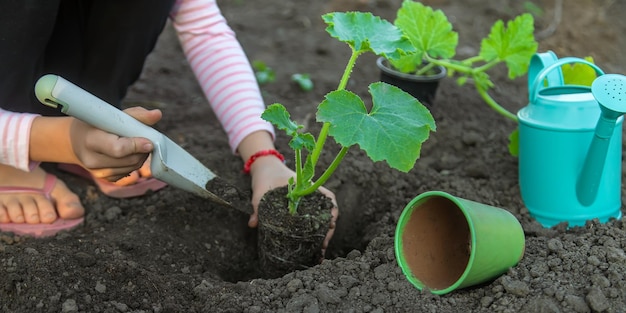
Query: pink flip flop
(38, 230)
(110, 189)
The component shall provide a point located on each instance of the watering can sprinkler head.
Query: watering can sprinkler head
(610, 92)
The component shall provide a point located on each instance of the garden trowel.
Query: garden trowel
(170, 162)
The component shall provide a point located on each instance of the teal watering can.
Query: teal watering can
(570, 144)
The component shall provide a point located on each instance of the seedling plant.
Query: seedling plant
(430, 32)
(303, 81)
(264, 74)
(393, 129)
(435, 44)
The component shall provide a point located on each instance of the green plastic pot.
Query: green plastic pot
(444, 243)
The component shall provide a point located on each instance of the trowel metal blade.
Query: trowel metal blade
(175, 166)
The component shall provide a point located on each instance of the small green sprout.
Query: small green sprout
(303, 80)
(264, 74)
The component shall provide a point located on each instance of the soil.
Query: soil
(289, 242)
(173, 252)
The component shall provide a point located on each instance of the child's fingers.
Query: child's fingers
(141, 145)
(253, 222)
(113, 174)
(124, 148)
(117, 152)
(148, 117)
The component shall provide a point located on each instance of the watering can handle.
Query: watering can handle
(538, 62)
(535, 87)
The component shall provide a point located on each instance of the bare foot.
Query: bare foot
(35, 208)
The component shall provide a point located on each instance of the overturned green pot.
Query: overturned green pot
(444, 243)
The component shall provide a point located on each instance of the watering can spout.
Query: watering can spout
(610, 92)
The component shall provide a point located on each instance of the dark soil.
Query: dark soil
(289, 242)
(173, 252)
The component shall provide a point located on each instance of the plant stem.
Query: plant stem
(319, 143)
(325, 176)
(449, 65)
(494, 105)
(348, 70)
(293, 201)
(297, 192)
(425, 69)
(464, 68)
(473, 59)
(486, 66)
(321, 139)
(473, 71)
(298, 166)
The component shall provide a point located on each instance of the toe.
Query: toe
(47, 212)
(34, 207)
(14, 209)
(30, 211)
(68, 204)
(4, 215)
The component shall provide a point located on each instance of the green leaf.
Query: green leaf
(407, 63)
(461, 80)
(515, 44)
(365, 32)
(277, 114)
(303, 80)
(264, 74)
(481, 79)
(428, 30)
(393, 130)
(578, 73)
(302, 141)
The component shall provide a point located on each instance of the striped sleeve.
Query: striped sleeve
(221, 68)
(15, 138)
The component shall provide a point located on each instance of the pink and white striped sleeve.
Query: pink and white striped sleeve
(221, 67)
(15, 138)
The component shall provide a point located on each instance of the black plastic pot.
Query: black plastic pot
(424, 88)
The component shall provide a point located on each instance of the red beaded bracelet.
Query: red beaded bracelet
(248, 165)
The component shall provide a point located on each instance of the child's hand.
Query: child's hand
(107, 155)
(270, 173)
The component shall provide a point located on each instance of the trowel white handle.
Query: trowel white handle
(54, 91)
